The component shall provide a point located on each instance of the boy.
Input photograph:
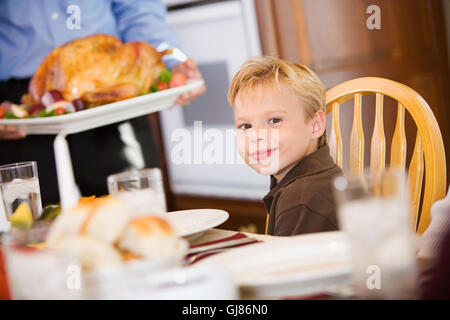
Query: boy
(279, 112)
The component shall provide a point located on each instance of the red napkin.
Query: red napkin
(233, 237)
(236, 236)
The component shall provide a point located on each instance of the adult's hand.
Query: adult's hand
(11, 133)
(190, 70)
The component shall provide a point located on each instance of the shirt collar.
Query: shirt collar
(313, 163)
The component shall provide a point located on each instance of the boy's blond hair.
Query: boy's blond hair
(299, 78)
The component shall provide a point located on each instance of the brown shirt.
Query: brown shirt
(302, 202)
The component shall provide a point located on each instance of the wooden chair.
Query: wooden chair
(429, 146)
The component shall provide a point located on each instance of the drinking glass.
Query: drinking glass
(143, 190)
(19, 183)
(374, 211)
(34, 272)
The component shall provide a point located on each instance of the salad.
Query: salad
(53, 103)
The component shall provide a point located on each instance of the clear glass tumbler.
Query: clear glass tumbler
(374, 211)
(19, 182)
(143, 190)
(36, 273)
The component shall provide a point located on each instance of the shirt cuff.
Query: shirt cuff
(173, 59)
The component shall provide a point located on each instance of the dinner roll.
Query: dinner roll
(67, 223)
(149, 236)
(107, 220)
(102, 218)
(90, 252)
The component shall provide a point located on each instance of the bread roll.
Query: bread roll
(108, 219)
(103, 219)
(68, 223)
(149, 237)
(90, 252)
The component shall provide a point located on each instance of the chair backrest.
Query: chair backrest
(429, 146)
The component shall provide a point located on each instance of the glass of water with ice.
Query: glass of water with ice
(19, 183)
(374, 212)
(143, 190)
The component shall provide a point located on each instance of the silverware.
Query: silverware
(224, 244)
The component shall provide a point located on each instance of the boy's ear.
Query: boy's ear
(316, 126)
(319, 124)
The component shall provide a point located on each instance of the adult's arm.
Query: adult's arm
(145, 20)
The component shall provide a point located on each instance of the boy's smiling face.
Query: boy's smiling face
(273, 130)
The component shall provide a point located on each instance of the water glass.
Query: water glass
(374, 211)
(19, 183)
(142, 190)
(34, 272)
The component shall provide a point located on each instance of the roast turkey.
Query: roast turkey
(98, 69)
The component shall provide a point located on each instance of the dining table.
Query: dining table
(218, 236)
(344, 291)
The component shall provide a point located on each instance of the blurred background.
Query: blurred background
(330, 36)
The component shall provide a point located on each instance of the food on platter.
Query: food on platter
(102, 232)
(89, 72)
(98, 69)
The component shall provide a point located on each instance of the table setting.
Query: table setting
(127, 246)
(246, 265)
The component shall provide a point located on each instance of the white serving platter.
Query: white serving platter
(104, 115)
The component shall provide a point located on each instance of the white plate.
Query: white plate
(291, 266)
(105, 114)
(191, 222)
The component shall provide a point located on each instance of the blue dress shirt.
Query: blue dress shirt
(30, 29)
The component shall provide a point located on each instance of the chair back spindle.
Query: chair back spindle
(335, 141)
(398, 146)
(415, 179)
(357, 139)
(378, 144)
